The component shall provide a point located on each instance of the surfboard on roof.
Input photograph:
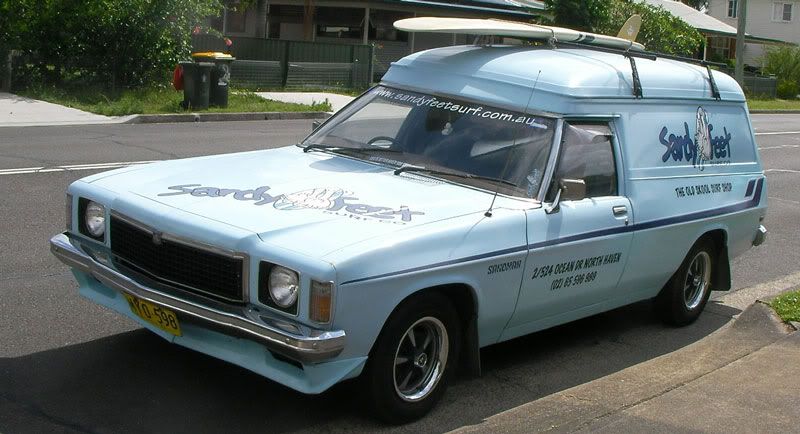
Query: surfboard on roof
(492, 27)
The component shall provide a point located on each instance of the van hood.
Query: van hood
(315, 203)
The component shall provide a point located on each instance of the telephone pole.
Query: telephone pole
(740, 33)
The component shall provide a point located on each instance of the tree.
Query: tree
(784, 63)
(661, 31)
(116, 43)
(586, 15)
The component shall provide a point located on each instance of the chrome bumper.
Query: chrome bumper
(291, 340)
(761, 236)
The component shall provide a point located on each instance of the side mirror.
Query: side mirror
(315, 125)
(568, 189)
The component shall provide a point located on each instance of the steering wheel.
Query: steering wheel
(372, 141)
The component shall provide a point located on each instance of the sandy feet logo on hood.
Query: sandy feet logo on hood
(331, 200)
(315, 198)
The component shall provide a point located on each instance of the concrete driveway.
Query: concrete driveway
(18, 111)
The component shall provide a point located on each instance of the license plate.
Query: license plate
(158, 316)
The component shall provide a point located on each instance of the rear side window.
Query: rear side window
(587, 153)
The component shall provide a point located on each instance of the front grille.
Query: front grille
(177, 264)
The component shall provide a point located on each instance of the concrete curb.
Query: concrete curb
(589, 404)
(224, 117)
(774, 112)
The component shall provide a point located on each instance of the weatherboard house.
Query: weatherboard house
(367, 22)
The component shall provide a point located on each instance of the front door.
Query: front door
(576, 254)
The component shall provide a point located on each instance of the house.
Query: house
(720, 35)
(777, 20)
(366, 22)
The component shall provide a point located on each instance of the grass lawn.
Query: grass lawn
(773, 104)
(788, 306)
(155, 101)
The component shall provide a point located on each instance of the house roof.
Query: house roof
(705, 23)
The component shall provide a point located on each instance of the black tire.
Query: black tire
(389, 391)
(684, 297)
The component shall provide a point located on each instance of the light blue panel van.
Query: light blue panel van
(477, 194)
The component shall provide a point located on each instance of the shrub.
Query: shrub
(784, 63)
(114, 43)
(787, 89)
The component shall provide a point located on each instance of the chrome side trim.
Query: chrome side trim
(244, 257)
(293, 340)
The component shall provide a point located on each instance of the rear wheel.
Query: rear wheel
(413, 359)
(686, 294)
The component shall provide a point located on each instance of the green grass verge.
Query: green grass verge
(336, 90)
(157, 101)
(787, 306)
(773, 104)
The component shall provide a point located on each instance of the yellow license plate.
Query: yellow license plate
(158, 316)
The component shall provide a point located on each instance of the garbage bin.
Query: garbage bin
(220, 75)
(196, 80)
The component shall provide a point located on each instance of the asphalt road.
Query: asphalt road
(68, 365)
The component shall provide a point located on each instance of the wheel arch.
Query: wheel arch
(721, 275)
(464, 299)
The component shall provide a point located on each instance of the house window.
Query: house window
(719, 48)
(733, 6)
(782, 11)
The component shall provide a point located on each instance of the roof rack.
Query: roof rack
(649, 55)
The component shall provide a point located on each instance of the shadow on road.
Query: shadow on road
(136, 382)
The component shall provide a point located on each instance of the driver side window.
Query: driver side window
(587, 154)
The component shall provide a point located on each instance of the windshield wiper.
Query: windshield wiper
(314, 146)
(364, 150)
(413, 168)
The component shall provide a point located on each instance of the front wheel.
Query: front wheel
(686, 294)
(413, 359)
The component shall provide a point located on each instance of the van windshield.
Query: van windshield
(400, 127)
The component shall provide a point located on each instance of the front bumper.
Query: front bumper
(295, 341)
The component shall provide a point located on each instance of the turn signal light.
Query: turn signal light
(320, 303)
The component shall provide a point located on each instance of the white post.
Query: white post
(412, 38)
(705, 47)
(366, 25)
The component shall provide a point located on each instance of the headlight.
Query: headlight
(283, 285)
(95, 219)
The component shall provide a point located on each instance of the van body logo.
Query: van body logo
(704, 149)
(328, 199)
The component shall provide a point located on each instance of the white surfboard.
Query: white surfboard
(491, 27)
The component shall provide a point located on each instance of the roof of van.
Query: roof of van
(505, 76)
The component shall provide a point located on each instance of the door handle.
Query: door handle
(619, 210)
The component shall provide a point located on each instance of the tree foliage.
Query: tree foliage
(586, 15)
(115, 43)
(784, 63)
(661, 31)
